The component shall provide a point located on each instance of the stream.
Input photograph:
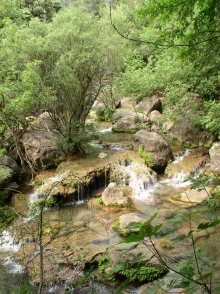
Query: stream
(148, 199)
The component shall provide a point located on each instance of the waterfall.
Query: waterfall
(178, 158)
(140, 178)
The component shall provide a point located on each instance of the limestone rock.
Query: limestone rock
(150, 104)
(215, 158)
(130, 219)
(45, 122)
(113, 195)
(41, 148)
(126, 125)
(6, 175)
(10, 163)
(187, 132)
(154, 145)
(135, 116)
(156, 116)
(102, 155)
(195, 196)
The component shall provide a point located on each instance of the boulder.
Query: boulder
(113, 195)
(156, 116)
(128, 220)
(125, 125)
(45, 122)
(41, 148)
(214, 153)
(195, 196)
(187, 132)
(9, 162)
(6, 175)
(135, 116)
(154, 145)
(149, 104)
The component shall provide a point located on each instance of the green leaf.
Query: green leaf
(132, 238)
(217, 289)
(117, 268)
(121, 286)
(168, 232)
(204, 226)
(180, 238)
(205, 276)
(137, 258)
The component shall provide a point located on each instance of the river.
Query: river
(148, 199)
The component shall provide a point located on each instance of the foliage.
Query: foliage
(104, 263)
(100, 202)
(146, 156)
(7, 215)
(142, 273)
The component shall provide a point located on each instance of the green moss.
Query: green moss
(165, 244)
(176, 197)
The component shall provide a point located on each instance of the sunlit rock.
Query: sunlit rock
(215, 158)
(155, 146)
(113, 196)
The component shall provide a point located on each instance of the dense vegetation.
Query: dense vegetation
(61, 57)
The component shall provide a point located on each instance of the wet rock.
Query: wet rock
(154, 145)
(150, 104)
(102, 155)
(128, 220)
(113, 196)
(215, 158)
(195, 196)
(41, 148)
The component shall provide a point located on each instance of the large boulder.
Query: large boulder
(187, 132)
(41, 148)
(8, 170)
(113, 196)
(135, 116)
(9, 162)
(125, 125)
(156, 117)
(155, 146)
(149, 104)
(44, 122)
(214, 153)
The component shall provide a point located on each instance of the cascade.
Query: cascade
(140, 178)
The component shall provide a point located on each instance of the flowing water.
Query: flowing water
(148, 195)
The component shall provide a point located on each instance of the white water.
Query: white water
(109, 130)
(12, 266)
(7, 242)
(179, 158)
(140, 179)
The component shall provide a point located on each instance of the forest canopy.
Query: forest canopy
(60, 57)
